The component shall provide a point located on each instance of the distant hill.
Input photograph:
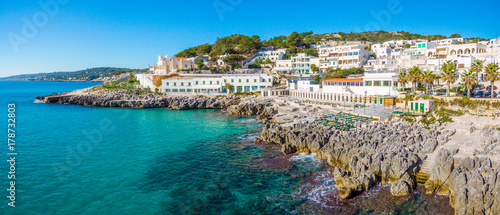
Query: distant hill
(91, 74)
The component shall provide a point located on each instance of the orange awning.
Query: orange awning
(345, 79)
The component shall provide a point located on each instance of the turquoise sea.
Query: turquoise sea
(90, 160)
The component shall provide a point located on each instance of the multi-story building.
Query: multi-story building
(345, 57)
(271, 54)
(446, 42)
(215, 83)
(301, 64)
(282, 66)
(170, 64)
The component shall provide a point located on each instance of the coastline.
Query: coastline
(393, 151)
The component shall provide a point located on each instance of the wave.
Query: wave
(38, 101)
(303, 157)
(248, 121)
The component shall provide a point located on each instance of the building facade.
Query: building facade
(371, 84)
(215, 83)
(170, 64)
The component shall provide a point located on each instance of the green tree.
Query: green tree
(314, 68)
(477, 67)
(492, 75)
(260, 61)
(293, 40)
(199, 63)
(407, 46)
(414, 77)
(428, 78)
(229, 87)
(317, 79)
(448, 75)
(470, 79)
(268, 61)
(233, 58)
(403, 78)
(311, 52)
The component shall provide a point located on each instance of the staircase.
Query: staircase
(250, 60)
(425, 170)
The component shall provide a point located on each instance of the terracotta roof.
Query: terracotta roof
(345, 79)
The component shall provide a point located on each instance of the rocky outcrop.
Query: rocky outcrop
(440, 173)
(253, 106)
(389, 151)
(475, 187)
(351, 185)
(124, 99)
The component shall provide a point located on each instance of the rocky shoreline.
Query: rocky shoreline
(386, 151)
(393, 152)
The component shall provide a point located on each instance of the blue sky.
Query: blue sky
(84, 34)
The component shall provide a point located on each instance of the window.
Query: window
(419, 45)
(175, 83)
(270, 79)
(217, 82)
(189, 83)
(167, 83)
(196, 82)
(232, 80)
(377, 83)
(182, 90)
(248, 81)
(225, 80)
(203, 82)
(423, 45)
(210, 82)
(239, 80)
(254, 80)
(387, 83)
(182, 83)
(167, 90)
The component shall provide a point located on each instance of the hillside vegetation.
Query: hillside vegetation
(295, 42)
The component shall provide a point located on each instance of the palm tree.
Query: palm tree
(414, 76)
(403, 78)
(449, 68)
(470, 79)
(477, 67)
(492, 75)
(428, 78)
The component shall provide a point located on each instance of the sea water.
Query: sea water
(92, 160)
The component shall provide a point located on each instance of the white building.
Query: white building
(171, 64)
(371, 84)
(220, 59)
(345, 57)
(271, 54)
(283, 66)
(215, 83)
(449, 41)
(145, 80)
(301, 64)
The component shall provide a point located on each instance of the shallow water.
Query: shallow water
(157, 161)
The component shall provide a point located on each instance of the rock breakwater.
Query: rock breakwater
(125, 99)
